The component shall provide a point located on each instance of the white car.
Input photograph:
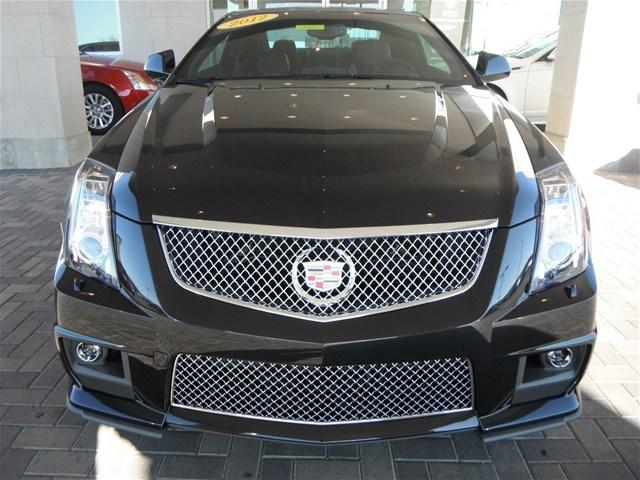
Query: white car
(528, 88)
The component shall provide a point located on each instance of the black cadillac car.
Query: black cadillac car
(325, 227)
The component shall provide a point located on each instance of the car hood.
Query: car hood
(324, 155)
(110, 61)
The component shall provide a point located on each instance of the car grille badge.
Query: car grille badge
(323, 276)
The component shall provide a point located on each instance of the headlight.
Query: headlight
(89, 245)
(563, 246)
(138, 82)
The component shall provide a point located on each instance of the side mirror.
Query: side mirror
(492, 67)
(160, 64)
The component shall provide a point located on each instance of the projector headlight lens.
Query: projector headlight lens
(89, 245)
(563, 245)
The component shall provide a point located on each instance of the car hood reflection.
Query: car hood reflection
(322, 154)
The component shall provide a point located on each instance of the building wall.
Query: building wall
(594, 110)
(42, 120)
(149, 26)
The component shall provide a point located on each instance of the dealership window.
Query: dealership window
(98, 26)
(472, 25)
(219, 8)
(501, 26)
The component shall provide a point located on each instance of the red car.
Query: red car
(112, 87)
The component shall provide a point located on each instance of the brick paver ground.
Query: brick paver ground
(38, 438)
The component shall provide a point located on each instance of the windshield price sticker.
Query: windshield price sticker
(246, 21)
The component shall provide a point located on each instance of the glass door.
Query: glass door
(379, 4)
(284, 4)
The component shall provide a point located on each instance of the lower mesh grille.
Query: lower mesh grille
(322, 394)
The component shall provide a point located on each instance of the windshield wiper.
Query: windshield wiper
(346, 76)
(195, 81)
(357, 76)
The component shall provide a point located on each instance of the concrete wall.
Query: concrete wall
(594, 110)
(149, 26)
(42, 120)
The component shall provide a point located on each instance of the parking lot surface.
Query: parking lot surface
(40, 439)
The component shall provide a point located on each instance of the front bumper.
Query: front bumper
(135, 416)
(138, 399)
(496, 325)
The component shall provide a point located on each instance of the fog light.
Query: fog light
(559, 358)
(88, 352)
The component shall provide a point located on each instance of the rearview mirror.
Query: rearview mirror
(160, 64)
(492, 67)
(328, 32)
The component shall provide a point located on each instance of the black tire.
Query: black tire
(102, 108)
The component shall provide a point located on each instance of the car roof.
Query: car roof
(335, 12)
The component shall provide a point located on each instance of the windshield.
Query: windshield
(276, 46)
(533, 45)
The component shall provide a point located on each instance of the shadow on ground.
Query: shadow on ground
(625, 170)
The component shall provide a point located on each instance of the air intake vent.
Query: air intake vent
(322, 394)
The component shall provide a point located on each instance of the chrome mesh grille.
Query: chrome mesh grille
(322, 394)
(386, 270)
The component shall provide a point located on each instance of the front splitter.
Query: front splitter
(133, 415)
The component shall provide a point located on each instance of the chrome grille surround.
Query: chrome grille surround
(322, 394)
(255, 266)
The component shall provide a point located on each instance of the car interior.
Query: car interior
(364, 57)
(272, 54)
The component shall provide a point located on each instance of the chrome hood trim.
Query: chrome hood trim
(326, 233)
